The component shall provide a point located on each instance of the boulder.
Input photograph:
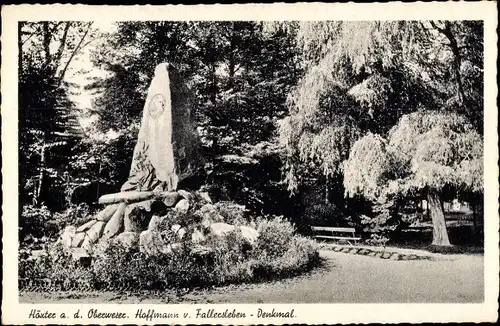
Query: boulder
(182, 206)
(179, 231)
(106, 214)
(169, 198)
(185, 194)
(151, 242)
(154, 223)
(135, 216)
(126, 196)
(385, 255)
(204, 195)
(197, 237)
(144, 205)
(147, 241)
(95, 231)
(92, 235)
(115, 224)
(249, 234)
(67, 236)
(87, 245)
(395, 256)
(78, 239)
(81, 256)
(86, 226)
(127, 239)
(221, 228)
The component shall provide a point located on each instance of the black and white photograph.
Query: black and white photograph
(233, 170)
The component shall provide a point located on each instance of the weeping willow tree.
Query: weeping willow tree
(359, 76)
(425, 153)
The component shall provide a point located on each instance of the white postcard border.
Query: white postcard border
(16, 313)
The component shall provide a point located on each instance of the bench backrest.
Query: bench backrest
(332, 229)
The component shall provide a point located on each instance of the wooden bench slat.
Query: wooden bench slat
(332, 229)
(337, 238)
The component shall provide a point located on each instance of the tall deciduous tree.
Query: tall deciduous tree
(362, 77)
(46, 115)
(426, 152)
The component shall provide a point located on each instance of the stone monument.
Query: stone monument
(166, 161)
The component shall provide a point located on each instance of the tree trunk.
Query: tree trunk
(474, 217)
(41, 174)
(20, 48)
(75, 51)
(440, 234)
(327, 191)
(457, 61)
(213, 93)
(232, 63)
(46, 43)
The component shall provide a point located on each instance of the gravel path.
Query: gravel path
(343, 278)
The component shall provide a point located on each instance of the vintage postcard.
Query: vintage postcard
(305, 163)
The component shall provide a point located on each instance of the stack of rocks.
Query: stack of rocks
(167, 158)
(140, 218)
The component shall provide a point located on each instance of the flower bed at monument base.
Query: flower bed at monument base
(223, 259)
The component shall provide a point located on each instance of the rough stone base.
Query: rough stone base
(137, 219)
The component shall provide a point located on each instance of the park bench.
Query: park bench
(340, 234)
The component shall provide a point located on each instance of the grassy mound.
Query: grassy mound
(277, 252)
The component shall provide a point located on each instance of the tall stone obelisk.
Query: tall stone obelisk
(167, 153)
(168, 149)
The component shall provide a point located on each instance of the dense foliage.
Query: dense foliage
(331, 122)
(363, 84)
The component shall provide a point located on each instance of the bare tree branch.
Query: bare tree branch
(59, 53)
(56, 26)
(27, 39)
(439, 29)
(77, 48)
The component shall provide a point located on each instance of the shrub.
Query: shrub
(383, 224)
(220, 259)
(230, 258)
(274, 237)
(301, 255)
(233, 213)
(35, 223)
(119, 267)
(55, 264)
(325, 215)
(73, 215)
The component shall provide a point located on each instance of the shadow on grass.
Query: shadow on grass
(463, 238)
(454, 249)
